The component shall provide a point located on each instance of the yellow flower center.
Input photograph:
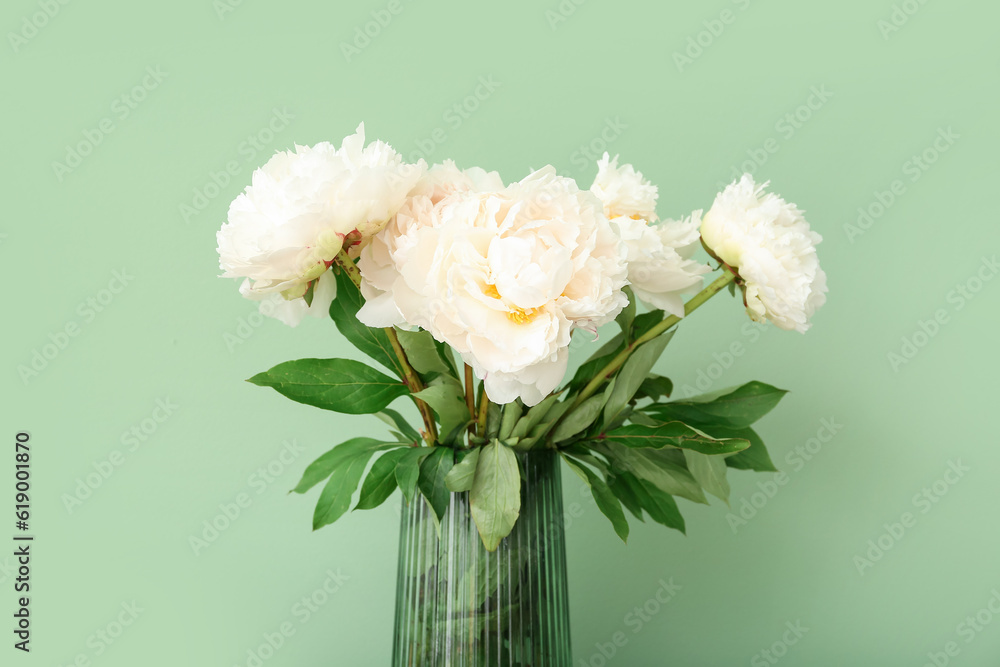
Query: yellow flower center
(516, 315)
(612, 213)
(522, 316)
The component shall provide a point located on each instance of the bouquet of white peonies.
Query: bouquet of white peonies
(468, 292)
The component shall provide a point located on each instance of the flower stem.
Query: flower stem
(697, 300)
(470, 391)
(413, 382)
(484, 409)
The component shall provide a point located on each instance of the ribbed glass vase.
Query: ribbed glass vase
(458, 605)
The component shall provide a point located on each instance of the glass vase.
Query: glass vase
(458, 605)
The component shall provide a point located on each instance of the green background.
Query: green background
(169, 334)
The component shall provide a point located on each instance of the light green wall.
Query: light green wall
(561, 85)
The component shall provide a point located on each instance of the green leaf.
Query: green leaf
(623, 490)
(733, 408)
(654, 387)
(393, 418)
(310, 291)
(710, 471)
(660, 506)
(643, 323)
(460, 477)
(580, 453)
(638, 417)
(654, 466)
(341, 385)
(579, 419)
(422, 352)
(606, 501)
(448, 401)
(344, 313)
(534, 417)
(495, 497)
(446, 352)
(433, 471)
(322, 467)
(511, 413)
(627, 316)
(633, 373)
(675, 434)
(754, 457)
(380, 482)
(454, 436)
(604, 354)
(552, 417)
(336, 496)
(408, 470)
(493, 420)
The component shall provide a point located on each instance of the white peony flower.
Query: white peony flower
(504, 277)
(770, 245)
(287, 227)
(387, 250)
(446, 179)
(660, 267)
(624, 191)
(291, 311)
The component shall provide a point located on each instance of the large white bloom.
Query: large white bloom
(446, 179)
(660, 267)
(390, 249)
(504, 277)
(770, 245)
(286, 228)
